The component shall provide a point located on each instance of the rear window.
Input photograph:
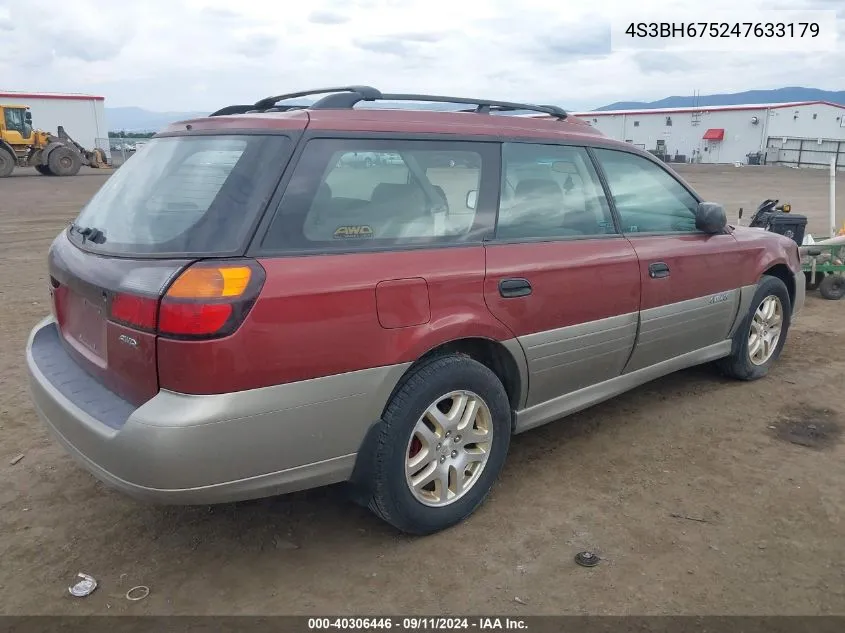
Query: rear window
(185, 195)
(362, 194)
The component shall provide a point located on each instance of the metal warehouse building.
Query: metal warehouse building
(83, 116)
(801, 134)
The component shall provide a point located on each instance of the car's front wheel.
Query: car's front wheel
(442, 444)
(760, 337)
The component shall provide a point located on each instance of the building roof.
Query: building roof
(71, 96)
(727, 108)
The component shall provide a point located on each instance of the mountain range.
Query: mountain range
(132, 119)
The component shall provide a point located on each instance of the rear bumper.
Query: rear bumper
(197, 449)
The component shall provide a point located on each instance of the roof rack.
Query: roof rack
(346, 97)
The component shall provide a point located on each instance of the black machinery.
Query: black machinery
(778, 218)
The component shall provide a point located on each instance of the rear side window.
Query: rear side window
(550, 191)
(187, 195)
(648, 199)
(350, 194)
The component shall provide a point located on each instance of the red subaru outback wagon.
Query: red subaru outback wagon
(277, 297)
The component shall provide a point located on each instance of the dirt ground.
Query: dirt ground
(702, 495)
(808, 190)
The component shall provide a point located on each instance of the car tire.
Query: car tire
(63, 161)
(755, 348)
(411, 446)
(7, 163)
(832, 287)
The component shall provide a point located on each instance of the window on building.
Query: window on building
(815, 116)
(648, 199)
(363, 194)
(550, 191)
(636, 124)
(669, 121)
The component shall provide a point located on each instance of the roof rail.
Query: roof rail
(482, 106)
(346, 97)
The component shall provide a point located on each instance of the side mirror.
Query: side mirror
(28, 116)
(472, 198)
(710, 217)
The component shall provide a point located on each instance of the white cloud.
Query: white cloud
(203, 54)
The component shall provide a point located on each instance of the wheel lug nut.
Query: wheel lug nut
(439, 446)
(448, 433)
(454, 454)
(442, 458)
(457, 438)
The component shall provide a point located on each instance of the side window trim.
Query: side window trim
(609, 195)
(487, 203)
(600, 187)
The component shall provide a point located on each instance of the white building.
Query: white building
(803, 134)
(82, 116)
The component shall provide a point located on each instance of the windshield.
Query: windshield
(187, 195)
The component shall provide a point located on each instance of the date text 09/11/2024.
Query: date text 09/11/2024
(417, 624)
(723, 29)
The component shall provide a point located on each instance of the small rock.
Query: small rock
(689, 571)
(16, 459)
(519, 600)
(520, 569)
(281, 543)
(714, 548)
(761, 546)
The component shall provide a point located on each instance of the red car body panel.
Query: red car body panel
(558, 272)
(760, 250)
(699, 265)
(318, 316)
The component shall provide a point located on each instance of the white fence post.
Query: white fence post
(833, 196)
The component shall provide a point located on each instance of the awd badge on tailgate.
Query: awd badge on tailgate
(128, 340)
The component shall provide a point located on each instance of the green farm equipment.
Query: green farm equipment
(824, 267)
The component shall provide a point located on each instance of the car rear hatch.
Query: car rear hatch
(158, 251)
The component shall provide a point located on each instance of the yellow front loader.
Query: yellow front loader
(23, 146)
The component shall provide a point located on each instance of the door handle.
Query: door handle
(510, 288)
(658, 270)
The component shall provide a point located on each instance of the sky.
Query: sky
(186, 55)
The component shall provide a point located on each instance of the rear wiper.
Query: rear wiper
(90, 233)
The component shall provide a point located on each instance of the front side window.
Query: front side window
(648, 199)
(550, 191)
(350, 194)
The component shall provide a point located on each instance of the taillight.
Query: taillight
(207, 300)
(134, 311)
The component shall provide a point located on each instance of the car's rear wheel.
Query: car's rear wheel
(760, 337)
(442, 443)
